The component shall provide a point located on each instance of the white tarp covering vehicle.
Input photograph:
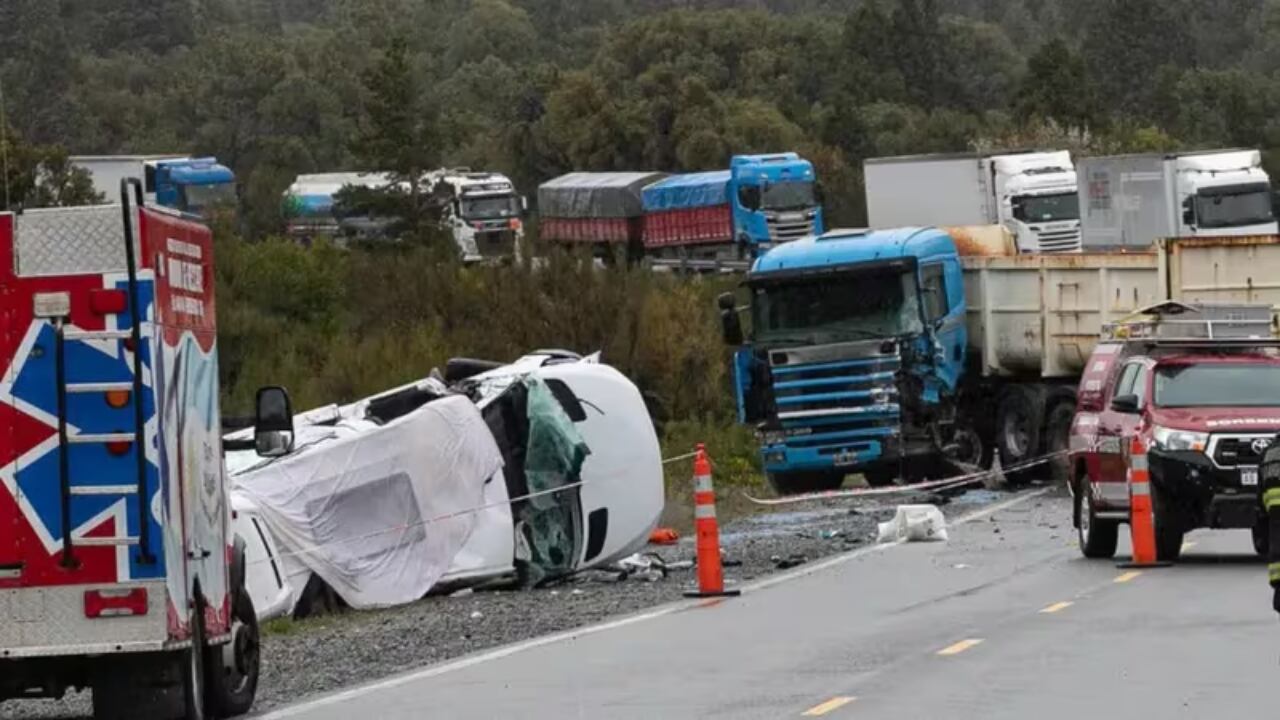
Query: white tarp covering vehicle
(573, 434)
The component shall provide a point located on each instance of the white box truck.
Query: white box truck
(1032, 193)
(1130, 201)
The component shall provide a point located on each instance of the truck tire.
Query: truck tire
(1019, 437)
(233, 681)
(1057, 439)
(192, 666)
(1098, 538)
(1262, 537)
(1169, 530)
(796, 483)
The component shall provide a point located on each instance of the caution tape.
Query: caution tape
(945, 484)
(678, 458)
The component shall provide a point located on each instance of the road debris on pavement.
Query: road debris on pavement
(914, 523)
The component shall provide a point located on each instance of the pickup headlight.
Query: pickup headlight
(1171, 439)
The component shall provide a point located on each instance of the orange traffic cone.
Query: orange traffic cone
(710, 572)
(1142, 529)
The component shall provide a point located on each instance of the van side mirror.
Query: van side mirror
(730, 324)
(273, 422)
(1127, 404)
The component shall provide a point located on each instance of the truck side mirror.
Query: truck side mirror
(1188, 212)
(819, 194)
(273, 422)
(749, 197)
(730, 324)
(524, 204)
(1127, 404)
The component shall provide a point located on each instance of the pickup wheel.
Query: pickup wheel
(1019, 419)
(1262, 537)
(1169, 530)
(796, 483)
(1097, 537)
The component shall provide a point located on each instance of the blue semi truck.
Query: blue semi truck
(918, 352)
(759, 202)
(192, 185)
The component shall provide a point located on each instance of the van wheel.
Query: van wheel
(233, 668)
(1018, 431)
(1097, 537)
(796, 483)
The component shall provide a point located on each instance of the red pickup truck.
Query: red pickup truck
(1206, 413)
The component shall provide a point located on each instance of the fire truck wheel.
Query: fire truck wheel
(233, 668)
(193, 677)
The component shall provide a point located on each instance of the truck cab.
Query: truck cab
(1205, 409)
(857, 343)
(776, 199)
(1224, 193)
(191, 185)
(1038, 201)
(482, 211)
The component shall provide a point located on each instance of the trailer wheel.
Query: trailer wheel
(233, 668)
(1019, 419)
(1058, 440)
(796, 483)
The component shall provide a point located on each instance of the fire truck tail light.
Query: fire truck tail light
(108, 302)
(119, 447)
(115, 603)
(118, 398)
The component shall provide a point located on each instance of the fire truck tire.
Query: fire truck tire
(795, 483)
(1098, 538)
(1019, 437)
(193, 669)
(232, 670)
(1169, 530)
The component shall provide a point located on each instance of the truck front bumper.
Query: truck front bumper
(1203, 493)
(850, 455)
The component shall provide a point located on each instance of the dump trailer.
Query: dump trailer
(908, 353)
(118, 572)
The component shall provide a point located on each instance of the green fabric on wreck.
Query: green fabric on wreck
(554, 455)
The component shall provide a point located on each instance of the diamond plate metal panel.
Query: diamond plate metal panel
(69, 241)
(50, 621)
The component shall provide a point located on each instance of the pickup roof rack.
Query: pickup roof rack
(1203, 326)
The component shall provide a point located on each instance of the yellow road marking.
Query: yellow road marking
(1128, 576)
(833, 704)
(1057, 607)
(960, 646)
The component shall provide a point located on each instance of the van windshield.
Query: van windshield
(1217, 385)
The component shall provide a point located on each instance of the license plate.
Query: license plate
(1248, 476)
(848, 457)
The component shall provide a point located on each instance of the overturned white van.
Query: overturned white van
(527, 471)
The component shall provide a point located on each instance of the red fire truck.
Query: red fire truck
(117, 569)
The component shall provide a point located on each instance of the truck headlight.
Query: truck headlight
(773, 437)
(1171, 439)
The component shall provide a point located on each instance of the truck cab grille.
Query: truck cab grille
(1060, 241)
(789, 229)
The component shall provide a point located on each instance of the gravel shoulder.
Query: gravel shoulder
(304, 658)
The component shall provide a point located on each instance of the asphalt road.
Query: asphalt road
(1003, 621)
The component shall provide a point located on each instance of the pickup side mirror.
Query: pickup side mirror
(1127, 404)
(273, 422)
(730, 324)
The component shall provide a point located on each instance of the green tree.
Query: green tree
(36, 176)
(1125, 45)
(1056, 87)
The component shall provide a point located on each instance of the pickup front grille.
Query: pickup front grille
(1233, 451)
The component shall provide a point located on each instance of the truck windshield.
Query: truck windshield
(854, 306)
(1247, 205)
(1047, 208)
(198, 198)
(490, 206)
(790, 195)
(1217, 385)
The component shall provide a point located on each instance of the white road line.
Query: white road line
(663, 610)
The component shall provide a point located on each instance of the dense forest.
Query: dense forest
(533, 88)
